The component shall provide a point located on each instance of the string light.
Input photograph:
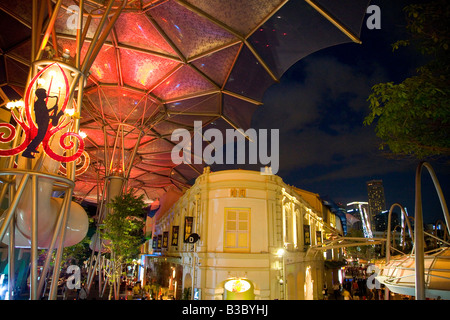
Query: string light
(69, 112)
(15, 104)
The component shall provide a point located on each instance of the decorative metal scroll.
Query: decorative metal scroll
(46, 122)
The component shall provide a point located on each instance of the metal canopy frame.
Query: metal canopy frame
(44, 34)
(103, 18)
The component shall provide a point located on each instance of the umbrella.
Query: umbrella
(168, 63)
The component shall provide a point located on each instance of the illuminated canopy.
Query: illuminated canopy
(399, 275)
(168, 63)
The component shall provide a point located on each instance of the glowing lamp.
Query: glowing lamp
(238, 285)
(15, 104)
(280, 252)
(82, 134)
(69, 112)
(66, 54)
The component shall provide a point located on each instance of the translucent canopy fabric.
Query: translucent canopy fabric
(399, 274)
(168, 63)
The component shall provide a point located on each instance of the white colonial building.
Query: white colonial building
(255, 235)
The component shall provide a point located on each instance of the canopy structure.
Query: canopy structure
(133, 72)
(164, 65)
(399, 274)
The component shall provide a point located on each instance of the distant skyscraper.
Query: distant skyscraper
(377, 202)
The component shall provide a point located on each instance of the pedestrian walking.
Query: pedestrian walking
(336, 291)
(65, 291)
(355, 287)
(325, 292)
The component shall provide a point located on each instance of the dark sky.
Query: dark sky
(319, 107)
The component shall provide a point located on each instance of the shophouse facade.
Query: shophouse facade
(240, 234)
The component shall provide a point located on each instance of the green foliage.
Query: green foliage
(77, 253)
(366, 252)
(412, 118)
(123, 226)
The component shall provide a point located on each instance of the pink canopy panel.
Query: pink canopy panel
(168, 63)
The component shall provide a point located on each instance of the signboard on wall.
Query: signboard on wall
(155, 242)
(175, 231)
(193, 238)
(307, 235)
(159, 241)
(319, 237)
(188, 223)
(165, 239)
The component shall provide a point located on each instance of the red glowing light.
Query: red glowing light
(31, 130)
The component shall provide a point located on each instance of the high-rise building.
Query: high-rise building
(377, 203)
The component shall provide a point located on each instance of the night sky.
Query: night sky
(319, 107)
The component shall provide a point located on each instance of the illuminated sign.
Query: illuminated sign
(165, 239)
(175, 231)
(319, 237)
(193, 238)
(307, 235)
(38, 122)
(155, 242)
(188, 222)
(159, 241)
(237, 285)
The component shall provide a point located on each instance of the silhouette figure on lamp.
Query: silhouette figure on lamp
(42, 116)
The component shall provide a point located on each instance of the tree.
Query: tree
(412, 117)
(123, 227)
(366, 252)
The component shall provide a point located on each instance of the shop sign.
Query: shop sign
(188, 223)
(307, 235)
(159, 241)
(193, 238)
(165, 239)
(175, 231)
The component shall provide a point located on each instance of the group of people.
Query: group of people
(142, 293)
(353, 289)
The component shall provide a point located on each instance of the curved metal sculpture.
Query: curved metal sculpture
(396, 275)
(35, 124)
